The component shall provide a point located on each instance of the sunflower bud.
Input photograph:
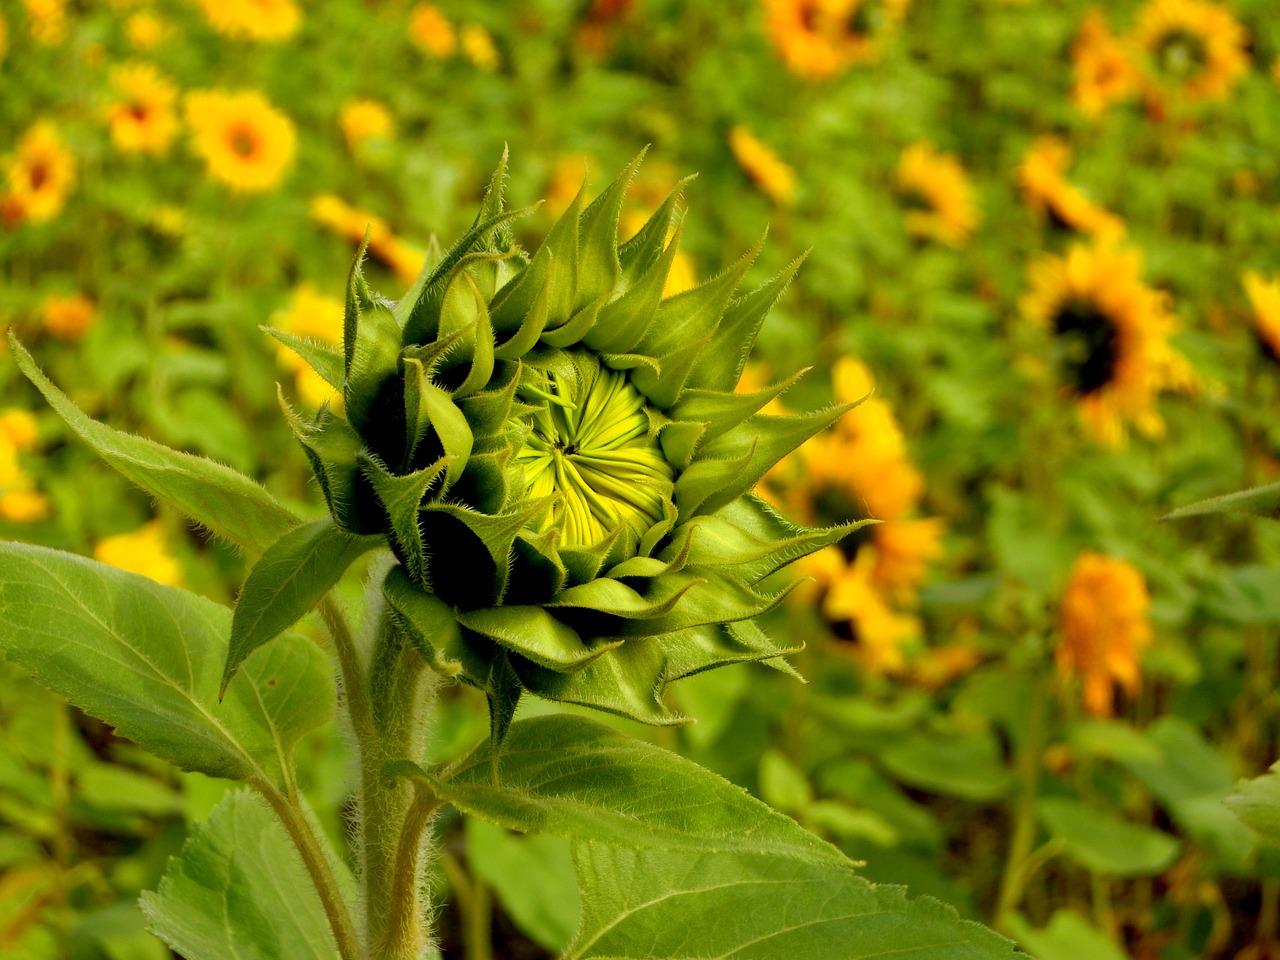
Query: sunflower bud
(558, 460)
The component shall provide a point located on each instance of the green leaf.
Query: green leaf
(287, 581)
(239, 889)
(146, 659)
(534, 633)
(574, 777)
(226, 502)
(962, 765)
(669, 904)
(321, 357)
(533, 878)
(1260, 501)
(1257, 803)
(1104, 843)
(1067, 937)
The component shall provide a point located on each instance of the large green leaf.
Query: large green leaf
(677, 905)
(580, 779)
(287, 581)
(146, 659)
(1257, 803)
(1103, 842)
(226, 502)
(239, 889)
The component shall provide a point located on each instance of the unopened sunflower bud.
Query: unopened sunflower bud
(559, 462)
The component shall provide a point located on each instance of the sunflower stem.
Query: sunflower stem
(393, 815)
(1024, 823)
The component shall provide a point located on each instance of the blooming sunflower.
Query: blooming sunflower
(20, 502)
(46, 21)
(818, 39)
(939, 193)
(763, 167)
(1195, 46)
(245, 142)
(143, 120)
(68, 318)
(557, 459)
(40, 174)
(1045, 189)
(1112, 332)
(270, 21)
(1264, 297)
(1104, 71)
(1104, 625)
(146, 30)
(362, 120)
(432, 33)
(310, 317)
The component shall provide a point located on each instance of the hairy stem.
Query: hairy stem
(317, 864)
(392, 817)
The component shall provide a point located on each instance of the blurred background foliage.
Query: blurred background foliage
(1045, 234)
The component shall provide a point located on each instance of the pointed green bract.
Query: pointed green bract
(557, 458)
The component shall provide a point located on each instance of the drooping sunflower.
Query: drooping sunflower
(939, 193)
(1264, 297)
(143, 120)
(1045, 189)
(1111, 333)
(557, 459)
(1194, 46)
(268, 21)
(1105, 626)
(245, 142)
(40, 174)
(362, 120)
(819, 39)
(1104, 71)
(763, 167)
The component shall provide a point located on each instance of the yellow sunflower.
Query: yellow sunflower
(245, 142)
(40, 174)
(1103, 70)
(68, 318)
(1194, 46)
(312, 316)
(432, 33)
(20, 502)
(46, 21)
(818, 39)
(938, 189)
(763, 167)
(270, 21)
(1112, 333)
(363, 120)
(478, 47)
(874, 633)
(1264, 297)
(4, 37)
(1104, 623)
(1045, 189)
(143, 551)
(146, 31)
(143, 120)
(339, 217)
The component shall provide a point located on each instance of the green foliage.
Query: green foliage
(146, 659)
(1257, 803)
(239, 889)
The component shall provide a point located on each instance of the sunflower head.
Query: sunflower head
(558, 460)
(1195, 46)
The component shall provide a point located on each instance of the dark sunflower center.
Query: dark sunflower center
(243, 140)
(38, 175)
(865, 19)
(1180, 54)
(1088, 345)
(591, 446)
(915, 200)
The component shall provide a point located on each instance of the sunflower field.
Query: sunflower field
(914, 362)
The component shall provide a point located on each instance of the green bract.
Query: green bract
(558, 460)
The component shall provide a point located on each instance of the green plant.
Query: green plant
(558, 464)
